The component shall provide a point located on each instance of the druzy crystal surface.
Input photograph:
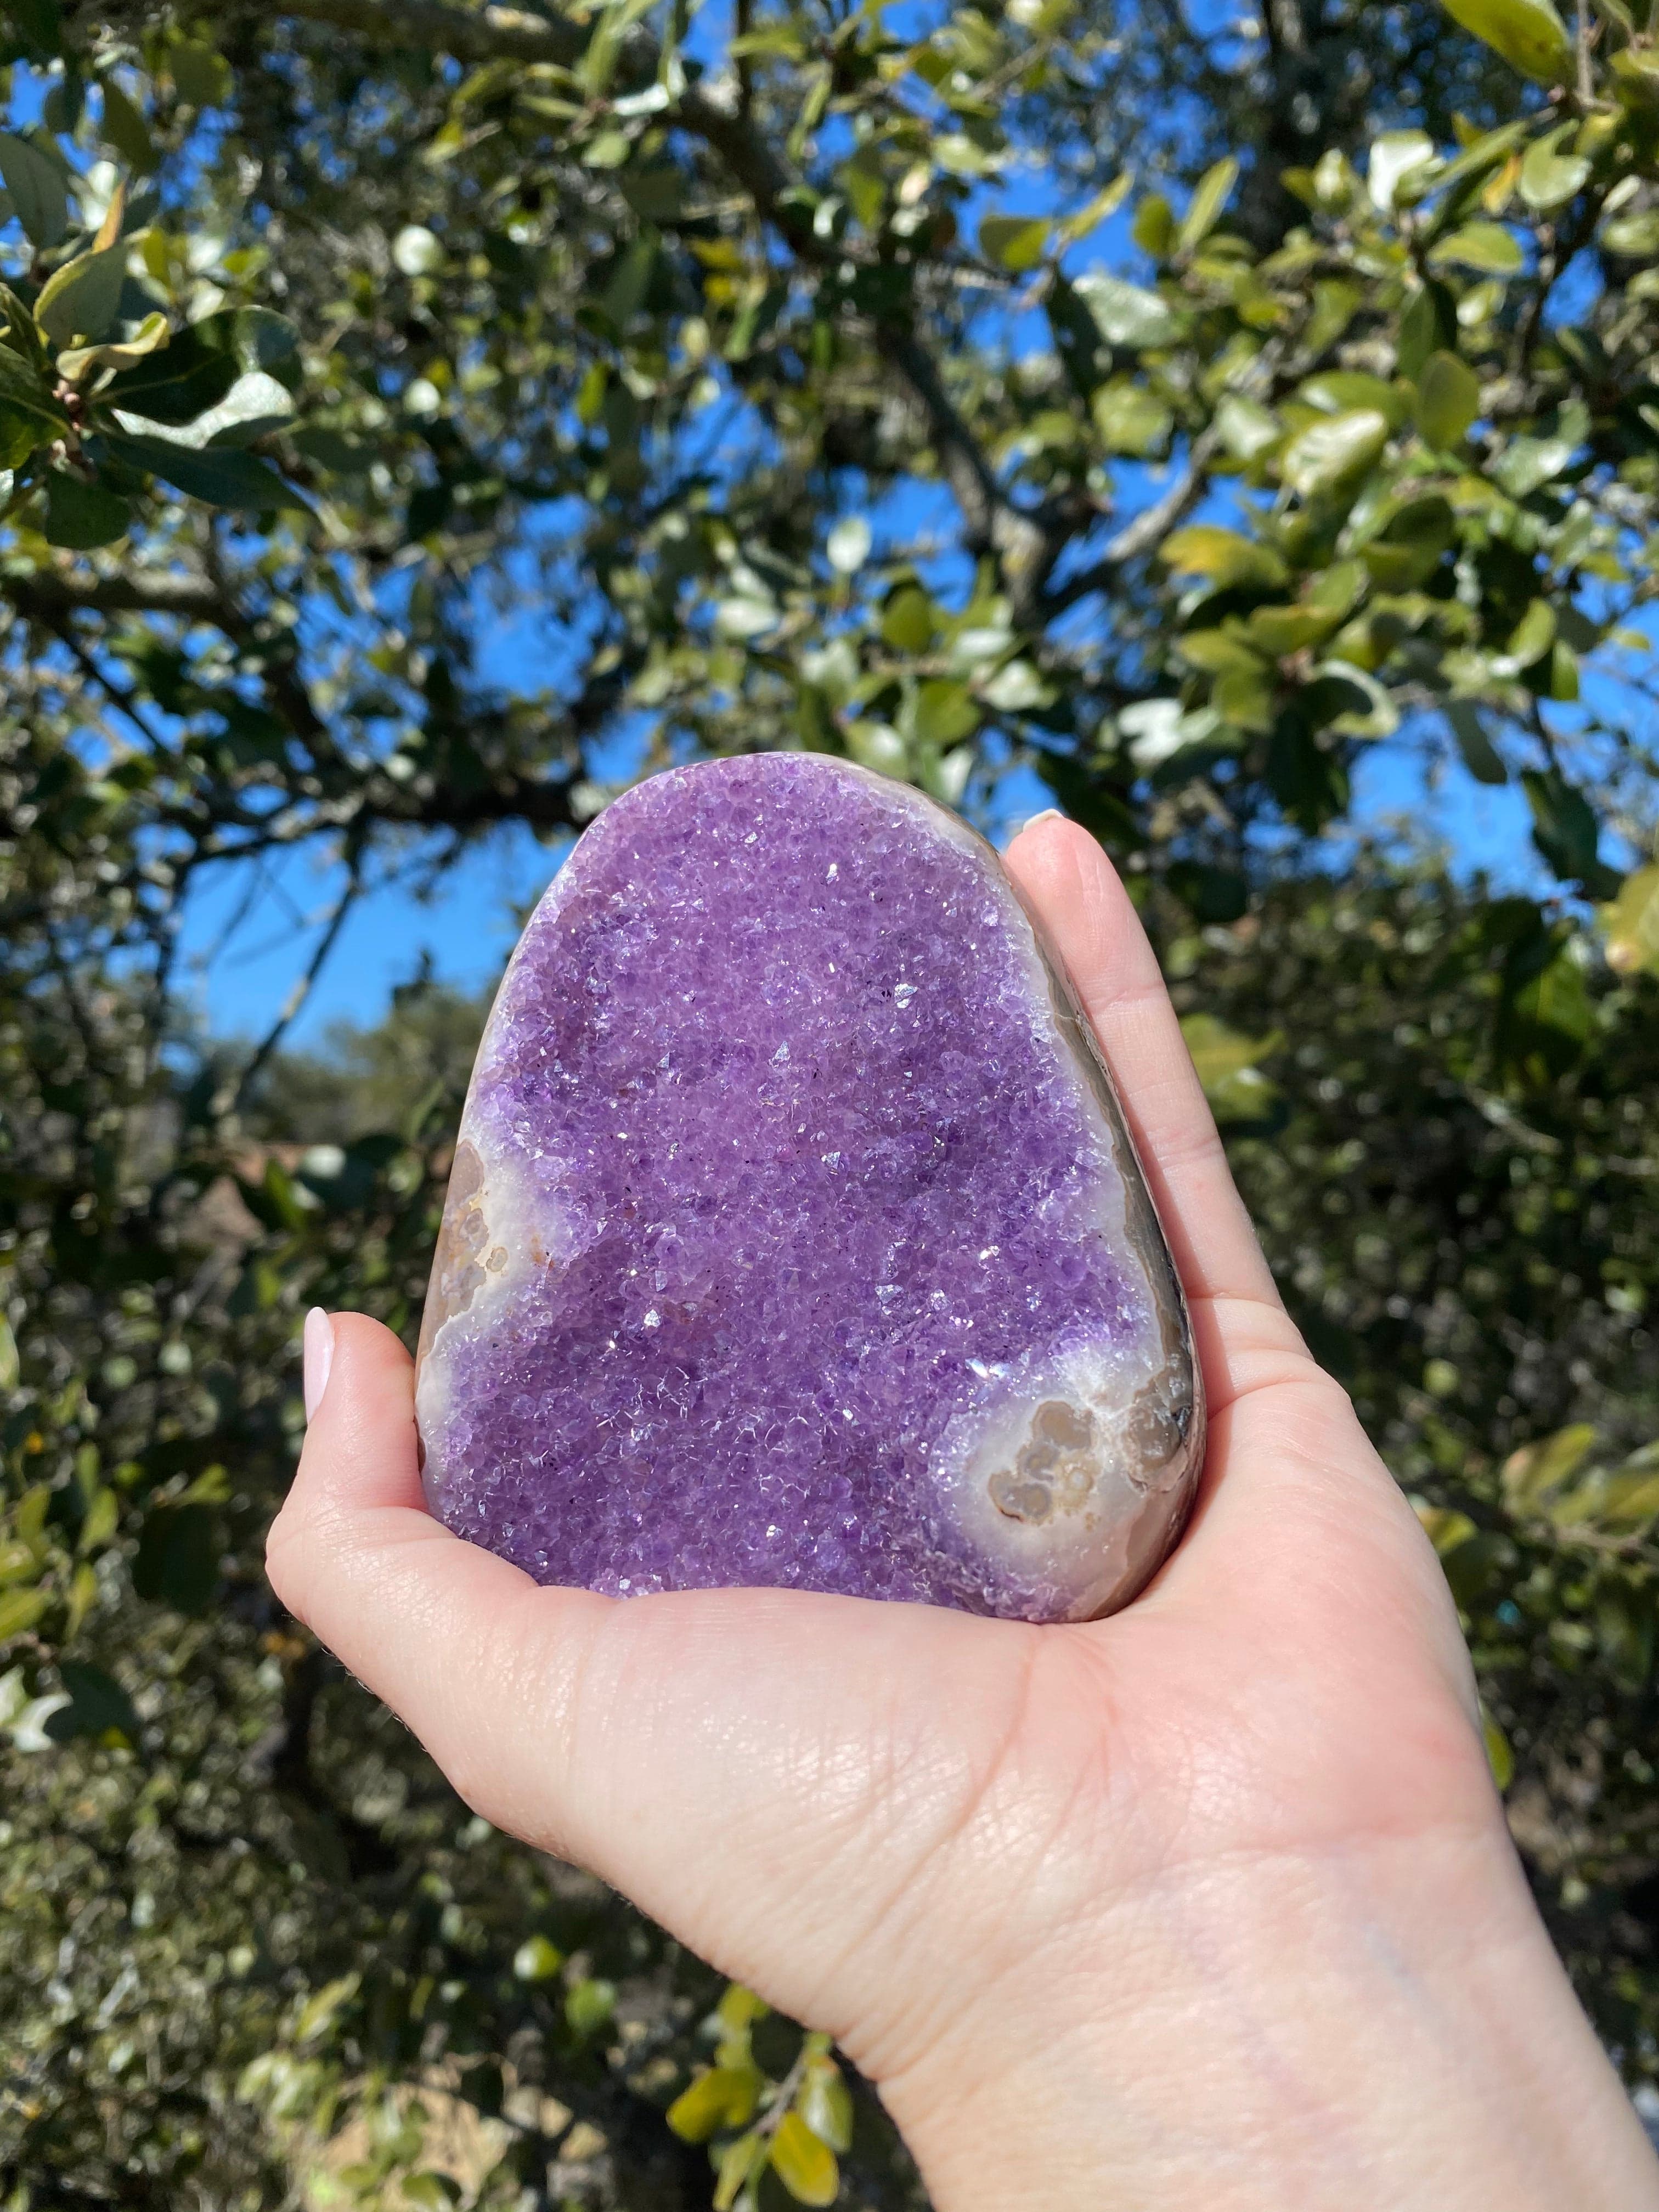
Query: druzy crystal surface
(794, 1235)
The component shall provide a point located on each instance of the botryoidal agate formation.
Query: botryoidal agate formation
(794, 1236)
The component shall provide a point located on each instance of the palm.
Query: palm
(819, 1794)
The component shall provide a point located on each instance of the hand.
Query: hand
(1211, 1902)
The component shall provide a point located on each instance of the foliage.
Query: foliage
(832, 383)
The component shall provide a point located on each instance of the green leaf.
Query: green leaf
(1428, 325)
(1550, 179)
(38, 190)
(1632, 922)
(1336, 391)
(1205, 549)
(324, 2006)
(825, 2103)
(1329, 456)
(805, 2166)
(1226, 1062)
(1480, 755)
(536, 1959)
(1565, 826)
(1486, 247)
(1245, 428)
(1448, 400)
(1130, 419)
(202, 77)
(1530, 639)
(1528, 34)
(29, 415)
(1210, 196)
(39, 23)
(909, 620)
(942, 712)
(1014, 242)
(720, 2098)
(80, 300)
(848, 545)
(193, 373)
(10, 1368)
(123, 127)
(589, 2005)
(1126, 315)
(1634, 236)
(98, 1707)
(19, 1609)
(740, 2163)
(80, 515)
(1397, 156)
(218, 477)
(1526, 463)
(78, 361)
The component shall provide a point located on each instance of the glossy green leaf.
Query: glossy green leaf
(1397, 156)
(1632, 923)
(1480, 756)
(1126, 315)
(1130, 419)
(1634, 236)
(1330, 455)
(1210, 195)
(849, 544)
(80, 300)
(803, 2163)
(20, 1610)
(1487, 247)
(81, 515)
(37, 190)
(1528, 34)
(1549, 179)
(589, 2006)
(217, 477)
(1016, 242)
(720, 2098)
(825, 2103)
(203, 76)
(98, 1707)
(123, 127)
(30, 414)
(536, 1959)
(1565, 826)
(1448, 399)
(1205, 549)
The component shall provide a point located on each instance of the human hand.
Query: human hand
(1209, 1903)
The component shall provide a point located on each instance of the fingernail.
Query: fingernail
(1048, 814)
(318, 1358)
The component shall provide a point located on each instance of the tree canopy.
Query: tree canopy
(416, 420)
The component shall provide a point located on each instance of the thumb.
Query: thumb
(779, 1778)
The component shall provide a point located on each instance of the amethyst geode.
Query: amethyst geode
(794, 1236)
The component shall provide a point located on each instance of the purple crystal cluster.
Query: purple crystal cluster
(794, 1235)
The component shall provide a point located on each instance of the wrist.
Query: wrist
(1385, 2025)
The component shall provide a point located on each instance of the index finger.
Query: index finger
(1092, 925)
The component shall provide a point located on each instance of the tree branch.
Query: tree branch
(1143, 533)
(993, 523)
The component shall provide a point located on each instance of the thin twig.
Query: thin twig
(302, 989)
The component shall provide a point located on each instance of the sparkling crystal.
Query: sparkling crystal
(794, 1236)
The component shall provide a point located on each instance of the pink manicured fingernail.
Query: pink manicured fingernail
(319, 1358)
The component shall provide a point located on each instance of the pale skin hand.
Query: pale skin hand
(1210, 1904)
